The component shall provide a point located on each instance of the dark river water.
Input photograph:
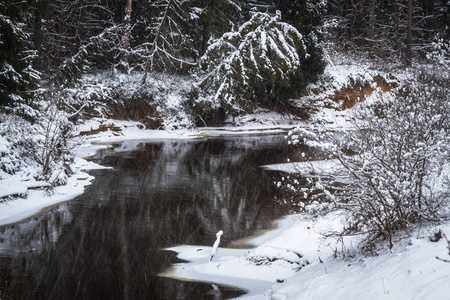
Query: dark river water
(107, 243)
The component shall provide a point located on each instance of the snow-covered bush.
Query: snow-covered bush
(401, 150)
(14, 136)
(395, 160)
(245, 68)
(36, 149)
(125, 97)
(53, 152)
(400, 157)
(440, 52)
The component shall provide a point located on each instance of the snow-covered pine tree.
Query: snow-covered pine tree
(245, 68)
(439, 51)
(168, 49)
(17, 75)
(62, 27)
(71, 36)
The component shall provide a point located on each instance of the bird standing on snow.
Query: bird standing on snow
(216, 245)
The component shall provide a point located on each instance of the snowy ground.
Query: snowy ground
(293, 261)
(35, 199)
(296, 262)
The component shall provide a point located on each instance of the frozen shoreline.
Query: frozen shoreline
(295, 261)
(292, 261)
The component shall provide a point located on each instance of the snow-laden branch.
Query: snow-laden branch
(168, 39)
(262, 53)
(74, 66)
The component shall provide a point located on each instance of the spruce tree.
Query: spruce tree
(17, 76)
(307, 16)
(169, 43)
(250, 66)
(211, 19)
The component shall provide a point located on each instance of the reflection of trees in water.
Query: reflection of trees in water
(159, 195)
(38, 233)
(198, 188)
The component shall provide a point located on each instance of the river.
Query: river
(107, 243)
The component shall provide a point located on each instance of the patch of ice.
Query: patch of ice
(329, 166)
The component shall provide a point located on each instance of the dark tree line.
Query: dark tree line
(382, 26)
(52, 43)
(55, 41)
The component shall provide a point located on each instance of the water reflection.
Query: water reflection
(106, 243)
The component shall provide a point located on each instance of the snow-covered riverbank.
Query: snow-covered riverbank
(32, 200)
(293, 261)
(33, 197)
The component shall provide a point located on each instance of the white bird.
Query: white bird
(216, 245)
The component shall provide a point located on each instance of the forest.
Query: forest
(359, 88)
(239, 54)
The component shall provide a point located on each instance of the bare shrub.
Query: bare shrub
(401, 147)
(53, 152)
(38, 148)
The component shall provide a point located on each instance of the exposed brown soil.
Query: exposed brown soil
(356, 91)
(136, 109)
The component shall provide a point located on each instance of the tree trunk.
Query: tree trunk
(372, 19)
(409, 34)
(356, 16)
(124, 67)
